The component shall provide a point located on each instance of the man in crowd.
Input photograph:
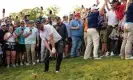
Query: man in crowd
(62, 30)
(76, 27)
(30, 34)
(126, 48)
(112, 24)
(68, 43)
(92, 33)
(51, 37)
(2, 42)
(21, 42)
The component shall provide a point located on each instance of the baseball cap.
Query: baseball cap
(114, 1)
(38, 21)
(30, 21)
(3, 24)
(94, 8)
(77, 14)
(65, 16)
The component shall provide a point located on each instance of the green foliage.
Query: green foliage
(112, 68)
(35, 13)
(77, 9)
(54, 9)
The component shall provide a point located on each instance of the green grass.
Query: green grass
(74, 69)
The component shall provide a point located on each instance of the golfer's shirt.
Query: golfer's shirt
(48, 30)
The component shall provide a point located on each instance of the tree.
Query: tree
(77, 9)
(54, 10)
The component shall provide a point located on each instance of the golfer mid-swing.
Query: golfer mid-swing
(50, 37)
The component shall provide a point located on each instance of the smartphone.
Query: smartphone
(3, 10)
(22, 29)
(31, 30)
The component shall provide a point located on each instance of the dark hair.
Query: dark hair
(41, 8)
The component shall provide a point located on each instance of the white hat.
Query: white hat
(3, 24)
(94, 8)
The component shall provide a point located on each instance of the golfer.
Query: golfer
(50, 37)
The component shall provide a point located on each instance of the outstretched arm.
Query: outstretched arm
(103, 7)
(128, 3)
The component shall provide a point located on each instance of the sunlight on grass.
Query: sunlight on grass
(74, 69)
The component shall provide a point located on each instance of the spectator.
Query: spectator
(92, 33)
(62, 30)
(102, 24)
(30, 34)
(21, 42)
(126, 48)
(10, 47)
(49, 35)
(2, 41)
(85, 30)
(69, 40)
(112, 24)
(76, 27)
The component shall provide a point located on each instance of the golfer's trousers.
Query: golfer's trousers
(59, 55)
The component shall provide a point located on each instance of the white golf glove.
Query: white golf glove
(53, 50)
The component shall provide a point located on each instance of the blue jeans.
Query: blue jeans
(76, 44)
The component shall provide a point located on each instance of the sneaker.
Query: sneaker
(129, 58)
(97, 58)
(101, 56)
(107, 53)
(27, 64)
(13, 65)
(38, 61)
(33, 63)
(57, 71)
(112, 53)
(21, 64)
(8, 66)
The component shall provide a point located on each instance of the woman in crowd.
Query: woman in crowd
(10, 38)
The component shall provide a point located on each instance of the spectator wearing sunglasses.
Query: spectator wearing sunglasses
(21, 42)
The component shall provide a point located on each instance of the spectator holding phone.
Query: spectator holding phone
(10, 46)
(30, 34)
(21, 41)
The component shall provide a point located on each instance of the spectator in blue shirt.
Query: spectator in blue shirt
(76, 27)
(21, 42)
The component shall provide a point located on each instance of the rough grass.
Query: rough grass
(74, 69)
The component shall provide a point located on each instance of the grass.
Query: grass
(112, 68)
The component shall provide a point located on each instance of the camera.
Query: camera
(22, 29)
(31, 30)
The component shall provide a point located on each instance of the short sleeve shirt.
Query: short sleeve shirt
(21, 39)
(31, 39)
(48, 30)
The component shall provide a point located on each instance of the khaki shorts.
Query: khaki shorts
(103, 35)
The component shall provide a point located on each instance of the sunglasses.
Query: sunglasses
(22, 23)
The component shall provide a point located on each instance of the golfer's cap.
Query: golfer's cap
(38, 21)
